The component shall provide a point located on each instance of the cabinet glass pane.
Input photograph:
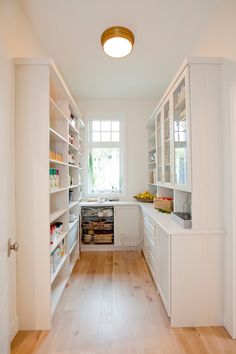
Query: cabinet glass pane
(167, 174)
(180, 134)
(152, 152)
(159, 149)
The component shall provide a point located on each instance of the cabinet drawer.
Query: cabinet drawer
(151, 261)
(148, 223)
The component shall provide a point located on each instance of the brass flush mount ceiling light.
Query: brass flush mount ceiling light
(117, 41)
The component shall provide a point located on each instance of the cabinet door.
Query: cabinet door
(167, 143)
(149, 235)
(126, 226)
(181, 131)
(159, 148)
(163, 267)
(152, 151)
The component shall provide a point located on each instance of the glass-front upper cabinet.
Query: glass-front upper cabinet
(152, 151)
(181, 133)
(159, 147)
(167, 142)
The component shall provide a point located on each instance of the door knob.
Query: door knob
(12, 247)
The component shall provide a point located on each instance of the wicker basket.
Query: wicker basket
(162, 204)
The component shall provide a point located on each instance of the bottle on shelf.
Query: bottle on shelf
(55, 156)
(54, 178)
(71, 157)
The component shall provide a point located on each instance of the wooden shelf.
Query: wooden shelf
(49, 105)
(56, 214)
(56, 137)
(57, 293)
(73, 147)
(72, 265)
(72, 129)
(59, 268)
(73, 166)
(56, 162)
(57, 110)
(73, 247)
(73, 204)
(74, 186)
(72, 224)
(58, 190)
(54, 245)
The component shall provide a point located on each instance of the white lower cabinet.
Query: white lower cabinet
(126, 226)
(149, 243)
(163, 267)
(187, 270)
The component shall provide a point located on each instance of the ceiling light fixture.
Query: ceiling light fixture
(117, 41)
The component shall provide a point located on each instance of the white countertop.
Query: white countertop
(165, 221)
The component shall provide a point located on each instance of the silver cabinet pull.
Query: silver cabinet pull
(12, 247)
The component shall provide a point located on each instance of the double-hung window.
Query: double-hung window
(106, 154)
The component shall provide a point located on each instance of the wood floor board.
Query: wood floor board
(111, 306)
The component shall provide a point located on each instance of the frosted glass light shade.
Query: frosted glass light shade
(117, 41)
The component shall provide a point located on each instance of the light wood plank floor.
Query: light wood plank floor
(111, 306)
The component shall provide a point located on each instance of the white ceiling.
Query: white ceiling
(165, 32)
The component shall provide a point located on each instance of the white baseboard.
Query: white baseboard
(14, 327)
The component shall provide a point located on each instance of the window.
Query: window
(106, 154)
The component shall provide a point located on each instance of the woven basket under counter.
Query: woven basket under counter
(163, 204)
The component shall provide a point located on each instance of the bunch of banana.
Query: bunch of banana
(145, 195)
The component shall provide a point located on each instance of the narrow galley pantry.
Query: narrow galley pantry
(117, 131)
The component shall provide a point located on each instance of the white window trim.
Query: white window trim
(123, 150)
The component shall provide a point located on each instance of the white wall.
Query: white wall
(137, 112)
(16, 32)
(16, 39)
(218, 39)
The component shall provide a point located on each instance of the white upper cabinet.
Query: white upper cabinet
(159, 160)
(189, 142)
(167, 143)
(181, 129)
(173, 164)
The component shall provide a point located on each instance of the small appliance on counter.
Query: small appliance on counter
(182, 218)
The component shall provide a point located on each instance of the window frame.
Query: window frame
(89, 145)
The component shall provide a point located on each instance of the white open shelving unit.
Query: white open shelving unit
(43, 124)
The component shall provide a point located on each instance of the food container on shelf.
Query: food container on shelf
(87, 238)
(163, 204)
(70, 195)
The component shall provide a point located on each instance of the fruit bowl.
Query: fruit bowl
(143, 200)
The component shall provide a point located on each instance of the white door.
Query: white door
(7, 209)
